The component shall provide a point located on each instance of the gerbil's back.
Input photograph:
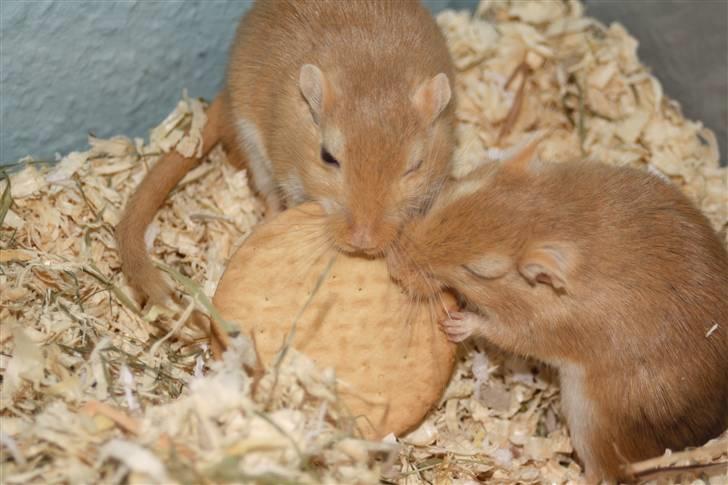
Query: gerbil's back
(630, 217)
(646, 252)
(650, 293)
(276, 37)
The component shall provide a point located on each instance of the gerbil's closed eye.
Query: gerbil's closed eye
(329, 159)
(490, 266)
(413, 168)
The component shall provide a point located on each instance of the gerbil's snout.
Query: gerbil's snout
(361, 238)
(368, 237)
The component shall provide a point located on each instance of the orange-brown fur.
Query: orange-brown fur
(371, 94)
(609, 274)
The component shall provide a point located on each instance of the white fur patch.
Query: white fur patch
(659, 174)
(578, 409)
(416, 153)
(334, 140)
(261, 167)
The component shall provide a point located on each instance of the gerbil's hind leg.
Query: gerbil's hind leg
(593, 442)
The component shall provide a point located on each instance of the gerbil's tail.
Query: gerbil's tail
(143, 205)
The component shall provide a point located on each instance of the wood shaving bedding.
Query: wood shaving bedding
(95, 389)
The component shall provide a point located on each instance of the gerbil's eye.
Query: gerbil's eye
(414, 167)
(329, 158)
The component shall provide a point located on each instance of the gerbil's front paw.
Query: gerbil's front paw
(461, 325)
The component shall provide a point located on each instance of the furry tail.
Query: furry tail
(143, 205)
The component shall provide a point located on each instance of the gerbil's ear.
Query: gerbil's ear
(520, 161)
(432, 96)
(550, 263)
(490, 266)
(313, 86)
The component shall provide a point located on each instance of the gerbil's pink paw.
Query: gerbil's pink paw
(461, 325)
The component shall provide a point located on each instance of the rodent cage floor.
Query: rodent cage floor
(95, 389)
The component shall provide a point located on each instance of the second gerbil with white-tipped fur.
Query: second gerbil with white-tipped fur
(607, 273)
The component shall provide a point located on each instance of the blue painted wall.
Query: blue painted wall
(118, 66)
(69, 67)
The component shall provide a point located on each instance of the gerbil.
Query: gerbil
(345, 103)
(609, 274)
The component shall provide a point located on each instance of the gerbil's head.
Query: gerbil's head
(431, 246)
(479, 232)
(384, 151)
(423, 262)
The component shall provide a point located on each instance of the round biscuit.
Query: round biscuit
(389, 356)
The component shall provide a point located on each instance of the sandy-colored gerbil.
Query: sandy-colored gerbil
(347, 103)
(609, 274)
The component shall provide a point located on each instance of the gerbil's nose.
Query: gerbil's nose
(361, 238)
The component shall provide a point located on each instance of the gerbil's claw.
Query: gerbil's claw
(461, 325)
(455, 330)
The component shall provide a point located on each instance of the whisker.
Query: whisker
(314, 255)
